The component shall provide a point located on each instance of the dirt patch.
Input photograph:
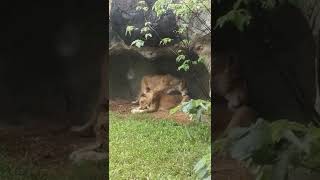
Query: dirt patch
(47, 147)
(124, 107)
(229, 169)
(120, 106)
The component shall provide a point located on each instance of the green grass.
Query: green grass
(141, 147)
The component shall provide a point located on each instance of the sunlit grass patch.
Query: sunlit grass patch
(142, 147)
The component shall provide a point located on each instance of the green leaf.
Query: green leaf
(200, 60)
(314, 132)
(148, 35)
(138, 8)
(200, 164)
(145, 9)
(142, 2)
(280, 169)
(203, 166)
(264, 155)
(180, 57)
(175, 109)
(185, 67)
(165, 41)
(185, 41)
(239, 17)
(278, 128)
(291, 137)
(138, 43)
(144, 30)
(181, 30)
(147, 23)
(161, 6)
(251, 140)
(129, 29)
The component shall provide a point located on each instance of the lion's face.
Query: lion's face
(145, 100)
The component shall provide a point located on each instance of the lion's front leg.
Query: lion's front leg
(152, 108)
(86, 126)
(88, 153)
(136, 110)
(91, 151)
(88, 156)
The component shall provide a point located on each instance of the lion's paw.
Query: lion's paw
(78, 156)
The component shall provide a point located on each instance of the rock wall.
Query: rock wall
(129, 64)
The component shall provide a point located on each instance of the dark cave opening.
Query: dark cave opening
(127, 68)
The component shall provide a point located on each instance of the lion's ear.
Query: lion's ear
(147, 89)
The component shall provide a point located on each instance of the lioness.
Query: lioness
(98, 122)
(96, 150)
(158, 83)
(153, 101)
(229, 84)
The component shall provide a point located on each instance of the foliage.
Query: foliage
(185, 11)
(273, 150)
(142, 147)
(240, 15)
(139, 43)
(203, 166)
(195, 108)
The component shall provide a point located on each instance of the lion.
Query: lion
(237, 96)
(153, 101)
(98, 123)
(229, 84)
(158, 83)
(97, 150)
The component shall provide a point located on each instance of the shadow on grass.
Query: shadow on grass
(26, 170)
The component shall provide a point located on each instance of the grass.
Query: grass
(25, 170)
(143, 148)
(140, 148)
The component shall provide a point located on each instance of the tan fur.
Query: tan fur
(202, 47)
(96, 150)
(158, 83)
(98, 122)
(229, 84)
(242, 117)
(237, 95)
(159, 100)
(168, 102)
